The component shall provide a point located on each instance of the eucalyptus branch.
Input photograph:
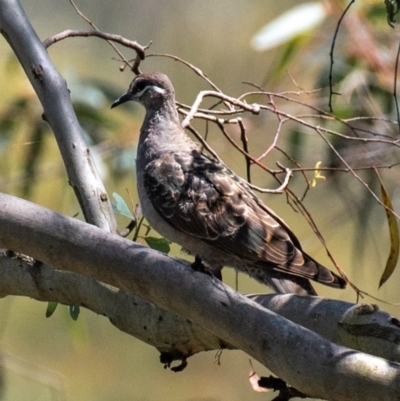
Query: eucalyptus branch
(341, 322)
(279, 344)
(54, 96)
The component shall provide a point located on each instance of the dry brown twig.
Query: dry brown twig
(110, 38)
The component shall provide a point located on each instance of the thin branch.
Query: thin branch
(341, 169)
(278, 190)
(227, 136)
(195, 69)
(274, 142)
(254, 108)
(70, 33)
(395, 86)
(209, 111)
(203, 142)
(245, 144)
(96, 29)
(212, 118)
(354, 173)
(330, 131)
(331, 93)
(322, 114)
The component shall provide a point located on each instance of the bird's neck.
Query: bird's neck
(162, 130)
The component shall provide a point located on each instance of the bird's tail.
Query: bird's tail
(291, 284)
(288, 284)
(324, 276)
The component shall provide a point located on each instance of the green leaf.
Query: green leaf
(394, 238)
(74, 311)
(51, 307)
(159, 244)
(120, 207)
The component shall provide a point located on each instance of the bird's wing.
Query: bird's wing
(193, 194)
(202, 197)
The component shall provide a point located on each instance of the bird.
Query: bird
(195, 200)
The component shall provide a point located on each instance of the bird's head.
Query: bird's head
(151, 90)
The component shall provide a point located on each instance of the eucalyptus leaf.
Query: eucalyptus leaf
(74, 311)
(394, 238)
(159, 244)
(120, 207)
(51, 307)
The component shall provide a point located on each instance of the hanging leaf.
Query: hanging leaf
(159, 244)
(74, 312)
(120, 207)
(394, 238)
(51, 307)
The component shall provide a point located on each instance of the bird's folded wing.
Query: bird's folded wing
(203, 198)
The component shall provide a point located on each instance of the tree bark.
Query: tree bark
(310, 363)
(361, 327)
(52, 91)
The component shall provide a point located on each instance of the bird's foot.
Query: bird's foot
(199, 266)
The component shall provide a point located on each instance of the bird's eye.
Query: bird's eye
(140, 86)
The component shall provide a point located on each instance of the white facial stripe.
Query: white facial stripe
(154, 88)
(158, 89)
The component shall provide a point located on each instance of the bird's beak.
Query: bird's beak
(124, 98)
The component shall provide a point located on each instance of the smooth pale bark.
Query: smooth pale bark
(307, 361)
(164, 330)
(51, 89)
(361, 327)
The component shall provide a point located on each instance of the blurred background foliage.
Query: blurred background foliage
(88, 359)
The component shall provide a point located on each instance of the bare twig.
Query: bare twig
(245, 142)
(354, 173)
(278, 190)
(273, 144)
(70, 33)
(96, 29)
(195, 69)
(395, 87)
(254, 108)
(211, 118)
(185, 107)
(203, 142)
(331, 93)
(330, 131)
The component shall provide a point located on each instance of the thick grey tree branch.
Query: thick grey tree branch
(162, 329)
(361, 327)
(304, 359)
(53, 93)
